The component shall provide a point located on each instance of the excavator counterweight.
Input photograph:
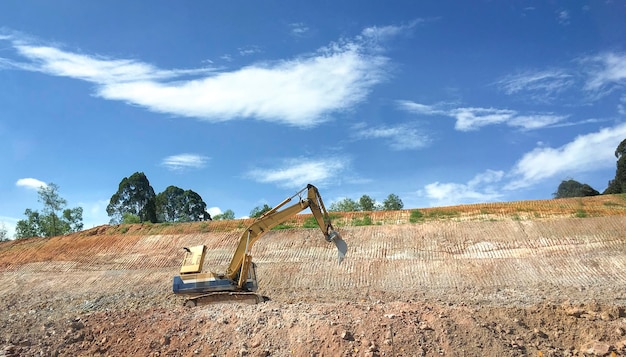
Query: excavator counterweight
(239, 282)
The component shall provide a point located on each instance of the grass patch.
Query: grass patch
(580, 213)
(310, 222)
(203, 227)
(441, 213)
(516, 217)
(124, 229)
(282, 226)
(364, 221)
(416, 216)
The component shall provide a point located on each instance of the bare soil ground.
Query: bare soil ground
(535, 278)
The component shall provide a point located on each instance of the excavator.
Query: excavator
(239, 282)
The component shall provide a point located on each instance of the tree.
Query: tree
(54, 220)
(228, 214)
(392, 203)
(134, 196)
(573, 188)
(130, 218)
(73, 219)
(367, 203)
(4, 235)
(176, 205)
(31, 227)
(52, 203)
(258, 211)
(618, 184)
(345, 205)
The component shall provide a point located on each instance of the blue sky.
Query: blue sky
(245, 102)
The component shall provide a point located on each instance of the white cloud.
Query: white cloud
(478, 189)
(214, 211)
(530, 122)
(418, 108)
(249, 50)
(301, 91)
(31, 183)
(297, 173)
(299, 29)
(542, 85)
(96, 69)
(563, 17)
(585, 153)
(401, 137)
(605, 72)
(469, 119)
(184, 161)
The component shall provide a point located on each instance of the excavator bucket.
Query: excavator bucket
(342, 246)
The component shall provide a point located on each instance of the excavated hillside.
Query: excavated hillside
(542, 278)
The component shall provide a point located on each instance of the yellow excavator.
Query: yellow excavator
(239, 282)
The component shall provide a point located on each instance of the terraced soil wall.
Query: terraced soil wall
(512, 270)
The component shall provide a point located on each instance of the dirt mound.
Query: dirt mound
(515, 279)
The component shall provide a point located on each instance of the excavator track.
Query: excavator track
(226, 297)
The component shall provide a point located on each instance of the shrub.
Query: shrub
(416, 216)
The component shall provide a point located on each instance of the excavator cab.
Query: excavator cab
(193, 259)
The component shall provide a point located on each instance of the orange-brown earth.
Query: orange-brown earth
(532, 278)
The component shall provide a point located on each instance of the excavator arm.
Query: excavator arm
(240, 263)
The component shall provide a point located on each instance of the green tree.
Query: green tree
(135, 196)
(4, 235)
(72, 219)
(392, 203)
(30, 227)
(176, 205)
(258, 211)
(54, 220)
(573, 188)
(52, 203)
(618, 184)
(130, 218)
(345, 205)
(366, 203)
(226, 215)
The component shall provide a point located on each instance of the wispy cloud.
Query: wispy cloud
(299, 29)
(479, 189)
(585, 153)
(184, 161)
(30, 183)
(249, 50)
(471, 118)
(605, 72)
(302, 91)
(400, 137)
(563, 17)
(592, 77)
(297, 173)
(542, 86)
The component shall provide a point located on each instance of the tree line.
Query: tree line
(365, 203)
(573, 188)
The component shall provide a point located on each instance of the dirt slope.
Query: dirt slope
(522, 278)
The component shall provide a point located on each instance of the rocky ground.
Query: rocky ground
(276, 328)
(548, 286)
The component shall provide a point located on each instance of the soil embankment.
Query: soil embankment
(527, 278)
